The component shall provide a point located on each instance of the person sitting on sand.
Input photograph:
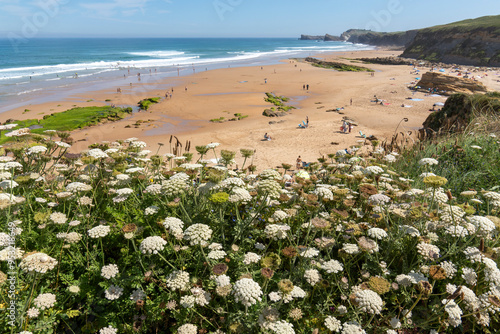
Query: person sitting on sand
(267, 137)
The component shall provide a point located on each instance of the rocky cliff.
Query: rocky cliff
(326, 38)
(331, 38)
(448, 85)
(379, 38)
(367, 37)
(311, 38)
(459, 110)
(470, 42)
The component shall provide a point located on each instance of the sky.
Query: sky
(227, 18)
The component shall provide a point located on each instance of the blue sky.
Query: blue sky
(227, 18)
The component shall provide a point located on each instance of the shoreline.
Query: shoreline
(226, 91)
(61, 80)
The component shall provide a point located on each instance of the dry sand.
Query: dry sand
(224, 92)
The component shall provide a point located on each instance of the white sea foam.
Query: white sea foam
(29, 91)
(158, 59)
(157, 54)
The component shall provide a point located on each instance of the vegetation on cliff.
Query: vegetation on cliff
(460, 109)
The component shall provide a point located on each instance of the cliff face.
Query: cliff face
(450, 84)
(469, 42)
(326, 38)
(379, 38)
(459, 110)
(311, 38)
(367, 37)
(331, 38)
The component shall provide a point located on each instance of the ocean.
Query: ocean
(43, 70)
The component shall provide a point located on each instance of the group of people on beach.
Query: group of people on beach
(168, 93)
(346, 127)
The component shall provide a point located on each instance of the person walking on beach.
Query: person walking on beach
(350, 127)
(344, 126)
(307, 86)
(351, 102)
(307, 121)
(299, 162)
(304, 87)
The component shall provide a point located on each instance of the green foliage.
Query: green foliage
(337, 66)
(218, 120)
(324, 237)
(491, 23)
(462, 165)
(278, 101)
(344, 67)
(146, 103)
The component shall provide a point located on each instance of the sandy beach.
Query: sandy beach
(206, 95)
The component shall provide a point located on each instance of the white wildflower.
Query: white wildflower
(38, 262)
(178, 280)
(109, 271)
(99, 231)
(152, 245)
(369, 301)
(198, 234)
(45, 301)
(113, 292)
(247, 291)
(250, 258)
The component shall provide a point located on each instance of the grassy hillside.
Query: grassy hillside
(484, 22)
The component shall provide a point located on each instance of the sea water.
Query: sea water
(50, 69)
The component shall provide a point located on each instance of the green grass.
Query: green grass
(72, 119)
(278, 101)
(464, 167)
(484, 22)
(146, 103)
(341, 67)
(217, 120)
